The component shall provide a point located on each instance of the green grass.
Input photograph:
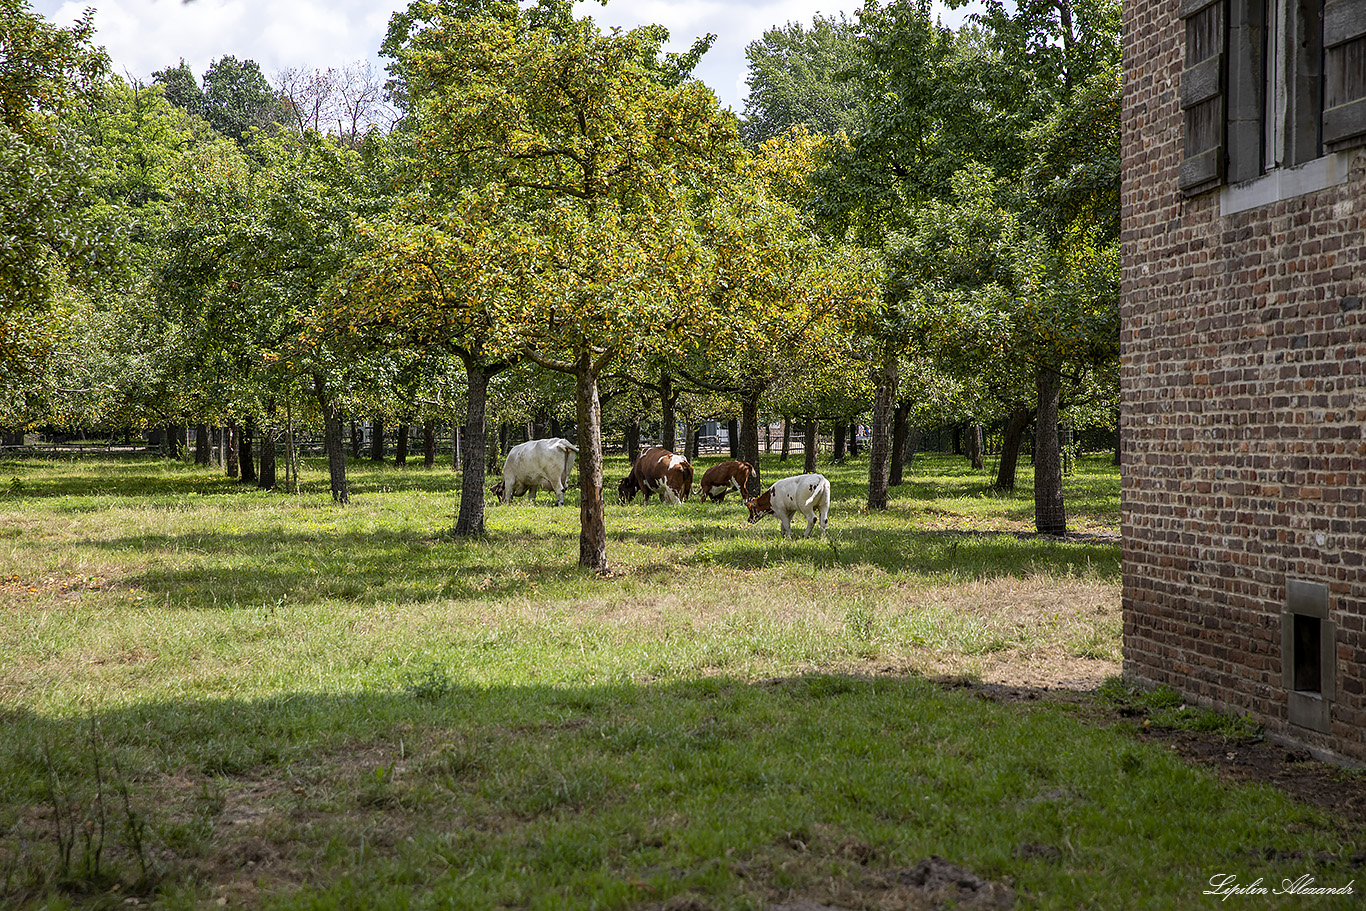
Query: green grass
(247, 699)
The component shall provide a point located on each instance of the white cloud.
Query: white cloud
(147, 35)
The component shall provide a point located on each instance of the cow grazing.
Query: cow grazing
(720, 480)
(803, 494)
(536, 465)
(657, 471)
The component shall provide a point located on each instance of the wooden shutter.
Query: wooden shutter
(1202, 95)
(1344, 71)
(1245, 88)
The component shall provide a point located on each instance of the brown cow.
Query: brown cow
(720, 480)
(657, 471)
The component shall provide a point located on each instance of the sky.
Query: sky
(143, 36)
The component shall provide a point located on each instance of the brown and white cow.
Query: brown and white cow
(657, 471)
(720, 480)
(805, 494)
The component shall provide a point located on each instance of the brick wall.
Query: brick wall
(1243, 343)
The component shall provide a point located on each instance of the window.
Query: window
(1269, 84)
(1308, 655)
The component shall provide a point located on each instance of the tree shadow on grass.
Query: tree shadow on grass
(230, 570)
(956, 555)
(427, 790)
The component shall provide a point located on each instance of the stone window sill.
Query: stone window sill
(1285, 183)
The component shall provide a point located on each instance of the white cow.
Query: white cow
(537, 465)
(803, 494)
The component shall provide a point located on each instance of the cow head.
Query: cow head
(760, 506)
(626, 490)
(497, 490)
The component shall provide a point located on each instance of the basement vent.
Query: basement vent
(1308, 640)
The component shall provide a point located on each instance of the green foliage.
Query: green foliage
(45, 73)
(238, 100)
(1075, 173)
(182, 89)
(800, 76)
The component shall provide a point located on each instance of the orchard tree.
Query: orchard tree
(990, 298)
(602, 150)
(255, 244)
(451, 279)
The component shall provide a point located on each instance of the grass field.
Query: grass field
(214, 696)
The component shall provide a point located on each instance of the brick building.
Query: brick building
(1244, 351)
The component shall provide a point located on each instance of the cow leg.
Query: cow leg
(810, 522)
(786, 521)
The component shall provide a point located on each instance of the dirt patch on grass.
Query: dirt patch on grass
(1339, 793)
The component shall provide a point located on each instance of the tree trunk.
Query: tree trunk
(201, 444)
(1011, 440)
(958, 439)
(733, 437)
(809, 463)
(668, 430)
(266, 477)
(695, 447)
(631, 444)
(592, 518)
(1050, 513)
(690, 442)
(974, 446)
(840, 428)
(355, 440)
(401, 452)
(853, 439)
(174, 440)
(749, 438)
(428, 443)
(880, 456)
(470, 521)
(244, 447)
(333, 442)
(377, 440)
(233, 468)
(787, 439)
(900, 431)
